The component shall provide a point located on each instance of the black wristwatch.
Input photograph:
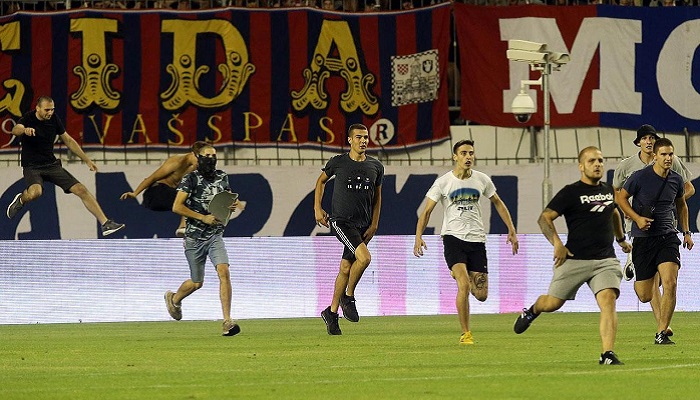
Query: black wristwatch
(687, 233)
(622, 239)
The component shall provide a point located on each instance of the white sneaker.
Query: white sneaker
(15, 206)
(628, 271)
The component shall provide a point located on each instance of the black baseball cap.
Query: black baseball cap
(645, 130)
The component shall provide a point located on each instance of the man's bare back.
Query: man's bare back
(183, 164)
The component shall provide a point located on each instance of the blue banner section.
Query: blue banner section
(666, 68)
(278, 201)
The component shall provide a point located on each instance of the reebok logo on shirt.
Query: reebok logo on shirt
(601, 207)
(599, 201)
(596, 198)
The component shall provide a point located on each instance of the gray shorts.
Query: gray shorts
(599, 274)
(197, 251)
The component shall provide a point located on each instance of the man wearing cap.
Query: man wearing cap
(646, 137)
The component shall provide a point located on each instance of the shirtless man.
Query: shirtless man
(160, 188)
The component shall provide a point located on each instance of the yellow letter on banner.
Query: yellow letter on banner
(9, 40)
(185, 74)
(173, 129)
(94, 72)
(288, 126)
(327, 129)
(141, 128)
(217, 131)
(248, 126)
(105, 129)
(346, 65)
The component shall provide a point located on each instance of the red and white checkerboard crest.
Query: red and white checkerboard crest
(415, 78)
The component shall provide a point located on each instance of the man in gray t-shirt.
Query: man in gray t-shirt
(646, 137)
(354, 218)
(204, 235)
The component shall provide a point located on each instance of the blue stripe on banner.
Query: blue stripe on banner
(279, 79)
(131, 93)
(206, 55)
(166, 58)
(424, 42)
(241, 20)
(60, 30)
(387, 48)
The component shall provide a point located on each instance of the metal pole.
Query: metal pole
(546, 182)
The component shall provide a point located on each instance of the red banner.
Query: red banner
(248, 77)
(489, 82)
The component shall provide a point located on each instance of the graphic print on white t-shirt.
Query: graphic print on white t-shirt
(465, 198)
(460, 200)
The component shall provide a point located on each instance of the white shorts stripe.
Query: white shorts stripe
(343, 238)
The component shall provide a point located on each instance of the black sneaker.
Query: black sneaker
(609, 358)
(230, 328)
(347, 304)
(109, 227)
(662, 338)
(524, 320)
(331, 320)
(15, 206)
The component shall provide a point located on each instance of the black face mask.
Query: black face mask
(207, 166)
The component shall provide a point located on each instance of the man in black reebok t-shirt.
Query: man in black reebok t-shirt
(357, 199)
(588, 206)
(37, 131)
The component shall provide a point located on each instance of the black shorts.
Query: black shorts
(159, 197)
(473, 254)
(649, 252)
(53, 173)
(349, 236)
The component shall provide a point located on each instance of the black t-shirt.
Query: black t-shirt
(588, 213)
(644, 186)
(354, 188)
(37, 151)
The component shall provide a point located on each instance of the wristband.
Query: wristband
(622, 239)
(687, 233)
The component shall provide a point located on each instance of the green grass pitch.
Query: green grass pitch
(413, 357)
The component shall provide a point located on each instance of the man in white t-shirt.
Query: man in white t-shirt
(463, 234)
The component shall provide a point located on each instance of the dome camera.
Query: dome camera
(523, 107)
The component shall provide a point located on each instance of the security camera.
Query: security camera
(515, 44)
(559, 58)
(523, 107)
(534, 53)
(524, 51)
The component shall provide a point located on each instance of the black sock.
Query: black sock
(532, 311)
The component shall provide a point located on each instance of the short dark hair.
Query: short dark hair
(42, 99)
(462, 143)
(662, 142)
(198, 145)
(354, 127)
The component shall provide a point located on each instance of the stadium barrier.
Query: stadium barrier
(71, 281)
